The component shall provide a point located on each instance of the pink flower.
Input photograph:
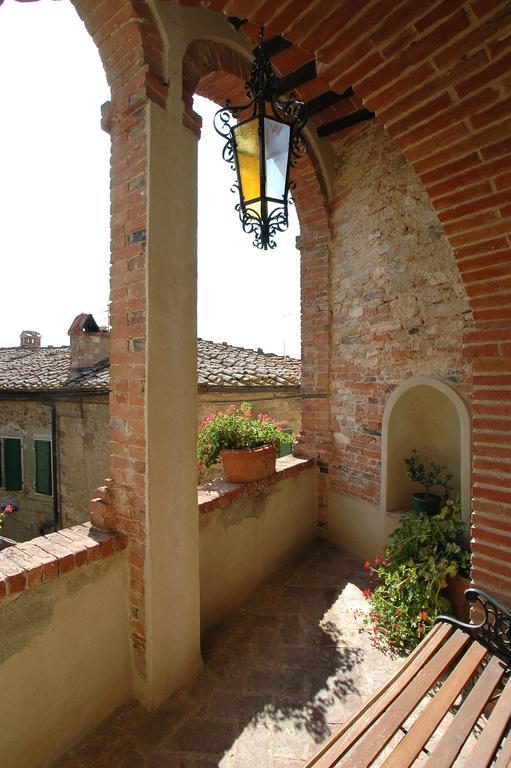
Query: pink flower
(203, 423)
(377, 560)
(232, 407)
(9, 508)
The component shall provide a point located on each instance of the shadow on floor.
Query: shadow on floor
(280, 674)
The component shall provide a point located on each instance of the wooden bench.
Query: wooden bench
(452, 691)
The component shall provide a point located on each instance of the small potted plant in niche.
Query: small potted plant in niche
(245, 443)
(435, 475)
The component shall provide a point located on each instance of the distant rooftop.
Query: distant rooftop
(47, 369)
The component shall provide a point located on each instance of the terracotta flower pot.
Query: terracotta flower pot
(248, 464)
(455, 593)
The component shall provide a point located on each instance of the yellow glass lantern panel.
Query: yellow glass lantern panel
(247, 151)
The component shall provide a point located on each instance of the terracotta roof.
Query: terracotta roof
(25, 369)
(219, 365)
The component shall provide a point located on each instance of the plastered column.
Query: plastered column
(171, 561)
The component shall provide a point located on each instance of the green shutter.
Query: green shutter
(285, 448)
(12, 464)
(43, 478)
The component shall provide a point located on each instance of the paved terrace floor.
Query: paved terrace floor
(280, 674)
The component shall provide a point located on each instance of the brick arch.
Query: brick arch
(436, 78)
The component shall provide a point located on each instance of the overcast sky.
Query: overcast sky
(54, 200)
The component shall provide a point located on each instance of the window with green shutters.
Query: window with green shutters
(12, 477)
(43, 474)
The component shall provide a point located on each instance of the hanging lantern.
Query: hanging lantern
(261, 149)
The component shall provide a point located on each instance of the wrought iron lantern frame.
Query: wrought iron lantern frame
(262, 90)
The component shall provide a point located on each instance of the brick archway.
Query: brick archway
(434, 77)
(437, 78)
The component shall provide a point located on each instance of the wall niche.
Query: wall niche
(426, 414)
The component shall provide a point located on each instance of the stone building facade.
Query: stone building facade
(57, 396)
(60, 395)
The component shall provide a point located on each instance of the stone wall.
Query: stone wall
(398, 305)
(84, 455)
(282, 404)
(82, 428)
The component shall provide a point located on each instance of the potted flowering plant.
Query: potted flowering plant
(245, 443)
(409, 584)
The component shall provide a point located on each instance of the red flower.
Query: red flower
(9, 508)
(367, 565)
(367, 593)
(377, 560)
(199, 466)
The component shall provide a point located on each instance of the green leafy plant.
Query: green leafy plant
(406, 592)
(435, 476)
(236, 428)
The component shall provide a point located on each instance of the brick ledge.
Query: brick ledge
(219, 493)
(45, 558)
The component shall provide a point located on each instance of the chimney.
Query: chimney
(30, 339)
(89, 344)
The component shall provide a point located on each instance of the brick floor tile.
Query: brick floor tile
(209, 737)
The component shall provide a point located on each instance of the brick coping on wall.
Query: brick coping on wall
(42, 559)
(219, 493)
(39, 560)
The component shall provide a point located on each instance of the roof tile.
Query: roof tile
(24, 369)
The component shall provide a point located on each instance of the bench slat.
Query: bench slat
(504, 758)
(489, 740)
(423, 728)
(373, 742)
(451, 743)
(357, 724)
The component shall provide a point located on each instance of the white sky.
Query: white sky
(54, 200)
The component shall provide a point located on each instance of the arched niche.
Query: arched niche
(426, 414)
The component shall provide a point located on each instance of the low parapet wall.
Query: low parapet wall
(247, 531)
(64, 642)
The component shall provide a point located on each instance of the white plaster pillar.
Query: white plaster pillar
(172, 561)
